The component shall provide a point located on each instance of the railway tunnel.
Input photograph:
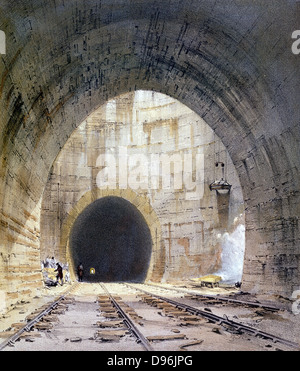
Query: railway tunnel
(85, 86)
(112, 241)
(150, 152)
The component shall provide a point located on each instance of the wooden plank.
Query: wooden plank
(119, 332)
(117, 323)
(166, 337)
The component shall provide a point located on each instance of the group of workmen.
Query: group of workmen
(59, 271)
(52, 263)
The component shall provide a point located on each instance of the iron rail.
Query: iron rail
(27, 327)
(223, 321)
(225, 299)
(128, 322)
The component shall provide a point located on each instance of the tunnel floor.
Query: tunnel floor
(75, 329)
(112, 241)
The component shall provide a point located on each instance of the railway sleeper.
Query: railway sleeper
(43, 326)
(111, 335)
(113, 323)
(173, 311)
(114, 315)
(107, 310)
(166, 337)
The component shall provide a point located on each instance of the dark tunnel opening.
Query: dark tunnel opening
(112, 237)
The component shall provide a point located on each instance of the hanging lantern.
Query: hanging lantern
(222, 185)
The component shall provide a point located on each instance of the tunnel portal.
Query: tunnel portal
(111, 236)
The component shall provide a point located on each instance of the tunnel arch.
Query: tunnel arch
(155, 266)
(112, 241)
(181, 53)
(161, 128)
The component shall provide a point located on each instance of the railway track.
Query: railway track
(36, 318)
(224, 321)
(135, 317)
(129, 322)
(219, 299)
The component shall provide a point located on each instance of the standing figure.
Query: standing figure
(80, 272)
(59, 275)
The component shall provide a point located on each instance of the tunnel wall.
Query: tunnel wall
(231, 63)
(146, 124)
